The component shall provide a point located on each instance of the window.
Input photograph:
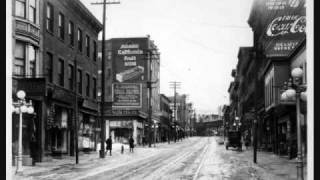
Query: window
(71, 33)
(49, 19)
(49, 65)
(61, 72)
(94, 51)
(70, 76)
(80, 40)
(94, 88)
(88, 45)
(32, 11)
(88, 85)
(20, 58)
(21, 8)
(61, 26)
(79, 81)
(32, 60)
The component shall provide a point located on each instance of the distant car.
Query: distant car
(234, 140)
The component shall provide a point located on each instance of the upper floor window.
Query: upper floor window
(80, 40)
(49, 65)
(61, 26)
(79, 81)
(61, 72)
(71, 33)
(32, 11)
(94, 50)
(88, 45)
(88, 85)
(20, 58)
(49, 18)
(70, 76)
(94, 89)
(21, 8)
(32, 60)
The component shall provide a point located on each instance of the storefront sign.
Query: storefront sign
(129, 59)
(121, 124)
(127, 95)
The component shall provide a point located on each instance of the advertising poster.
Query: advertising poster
(129, 60)
(127, 95)
(283, 26)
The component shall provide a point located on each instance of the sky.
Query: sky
(198, 41)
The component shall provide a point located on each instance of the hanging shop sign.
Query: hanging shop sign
(129, 59)
(127, 95)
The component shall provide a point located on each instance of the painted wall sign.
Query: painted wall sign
(129, 59)
(284, 24)
(127, 95)
(121, 124)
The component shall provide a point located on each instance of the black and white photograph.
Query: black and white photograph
(159, 90)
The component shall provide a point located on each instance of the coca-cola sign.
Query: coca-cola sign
(286, 24)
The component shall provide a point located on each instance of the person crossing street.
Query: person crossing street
(131, 144)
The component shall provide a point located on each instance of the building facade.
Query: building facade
(130, 62)
(67, 49)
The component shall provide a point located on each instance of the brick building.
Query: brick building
(127, 72)
(67, 34)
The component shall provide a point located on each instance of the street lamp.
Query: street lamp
(19, 107)
(237, 122)
(295, 91)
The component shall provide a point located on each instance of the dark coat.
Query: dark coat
(131, 142)
(109, 144)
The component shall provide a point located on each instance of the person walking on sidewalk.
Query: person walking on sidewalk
(131, 144)
(109, 144)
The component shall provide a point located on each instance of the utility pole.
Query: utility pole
(103, 123)
(149, 86)
(175, 85)
(76, 116)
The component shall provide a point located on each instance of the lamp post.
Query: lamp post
(294, 91)
(237, 123)
(21, 106)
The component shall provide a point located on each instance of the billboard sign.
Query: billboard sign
(129, 59)
(127, 95)
(283, 25)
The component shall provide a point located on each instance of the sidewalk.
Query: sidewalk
(272, 166)
(89, 163)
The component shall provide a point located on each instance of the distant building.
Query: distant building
(127, 72)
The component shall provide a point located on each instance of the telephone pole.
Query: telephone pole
(175, 85)
(76, 109)
(103, 123)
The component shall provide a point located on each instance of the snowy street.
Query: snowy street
(192, 158)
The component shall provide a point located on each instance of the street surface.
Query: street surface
(193, 158)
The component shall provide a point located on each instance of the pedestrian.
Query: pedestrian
(109, 144)
(247, 140)
(131, 144)
(33, 149)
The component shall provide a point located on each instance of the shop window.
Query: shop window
(61, 26)
(20, 58)
(21, 8)
(49, 18)
(32, 11)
